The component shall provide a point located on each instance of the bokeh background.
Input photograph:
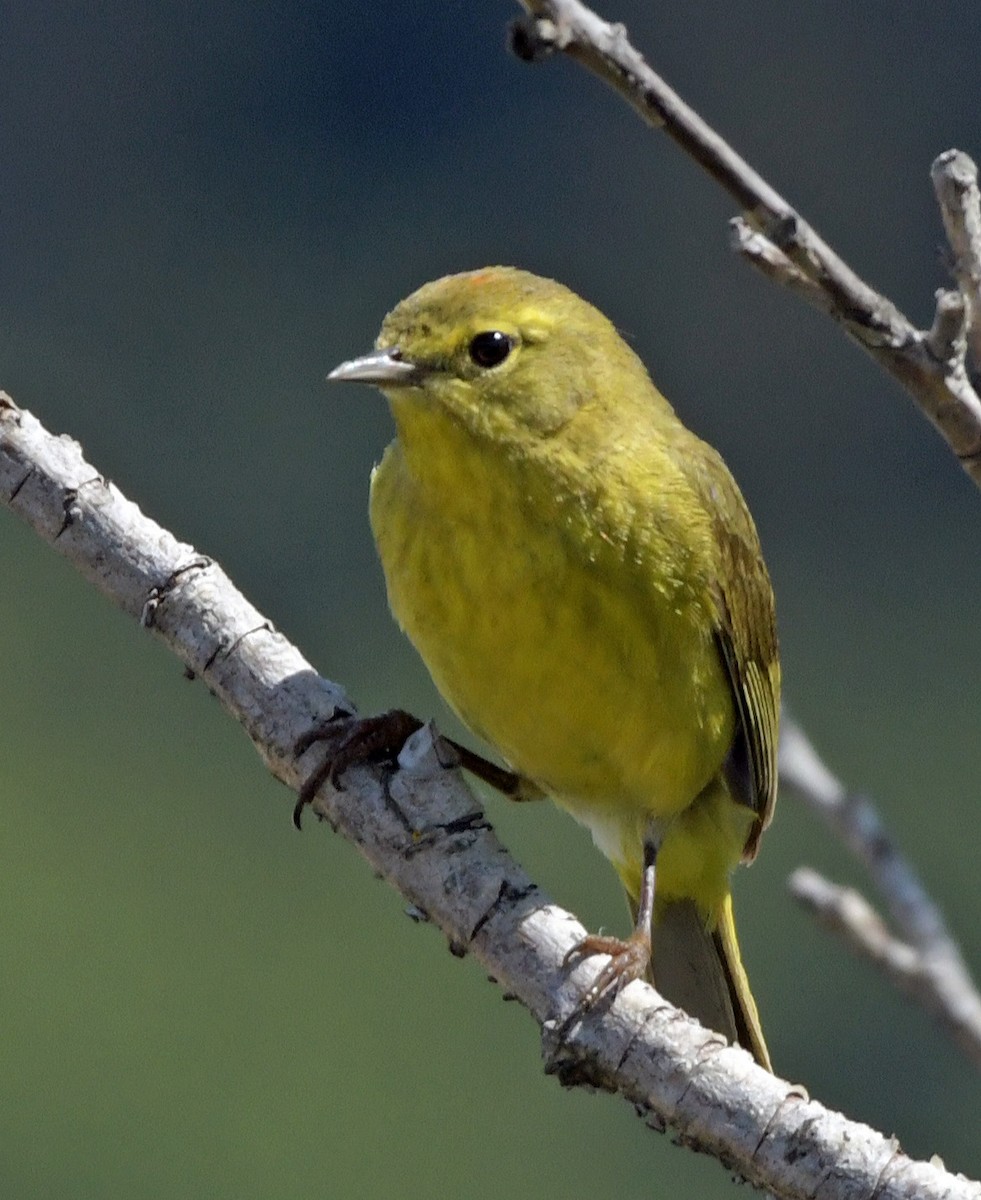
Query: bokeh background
(205, 206)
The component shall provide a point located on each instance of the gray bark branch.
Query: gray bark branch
(774, 237)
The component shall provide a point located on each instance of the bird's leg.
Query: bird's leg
(629, 957)
(369, 739)
(508, 783)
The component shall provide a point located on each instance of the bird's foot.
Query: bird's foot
(629, 959)
(356, 740)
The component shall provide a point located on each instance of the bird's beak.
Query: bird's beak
(384, 367)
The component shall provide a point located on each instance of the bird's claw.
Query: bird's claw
(362, 739)
(629, 959)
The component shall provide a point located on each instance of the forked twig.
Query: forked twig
(774, 237)
(922, 960)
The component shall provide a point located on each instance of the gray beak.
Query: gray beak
(384, 367)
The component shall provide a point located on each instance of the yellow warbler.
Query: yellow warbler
(583, 579)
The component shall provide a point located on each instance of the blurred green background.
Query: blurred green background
(204, 208)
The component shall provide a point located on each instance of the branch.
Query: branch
(924, 961)
(423, 831)
(955, 181)
(931, 365)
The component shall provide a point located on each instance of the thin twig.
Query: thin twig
(924, 961)
(423, 831)
(955, 181)
(931, 983)
(941, 386)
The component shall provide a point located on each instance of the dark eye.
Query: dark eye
(491, 348)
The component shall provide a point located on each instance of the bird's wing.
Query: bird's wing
(747, 636)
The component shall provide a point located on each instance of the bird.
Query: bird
(584, 582)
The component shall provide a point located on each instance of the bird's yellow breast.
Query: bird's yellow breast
(594, 674)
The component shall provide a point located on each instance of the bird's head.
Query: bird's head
(504, 352)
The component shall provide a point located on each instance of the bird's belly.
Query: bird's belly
(606, 693)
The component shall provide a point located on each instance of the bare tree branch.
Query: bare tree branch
(924, 962)
(773, 236)
(423, 831)
(955, 181)
(935, 983)
(857, 823)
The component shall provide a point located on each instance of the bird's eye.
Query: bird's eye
(491, 348)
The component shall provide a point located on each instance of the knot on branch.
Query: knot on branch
(947, 336)
(532, 39)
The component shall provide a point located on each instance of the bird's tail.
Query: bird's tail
(697, 967)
